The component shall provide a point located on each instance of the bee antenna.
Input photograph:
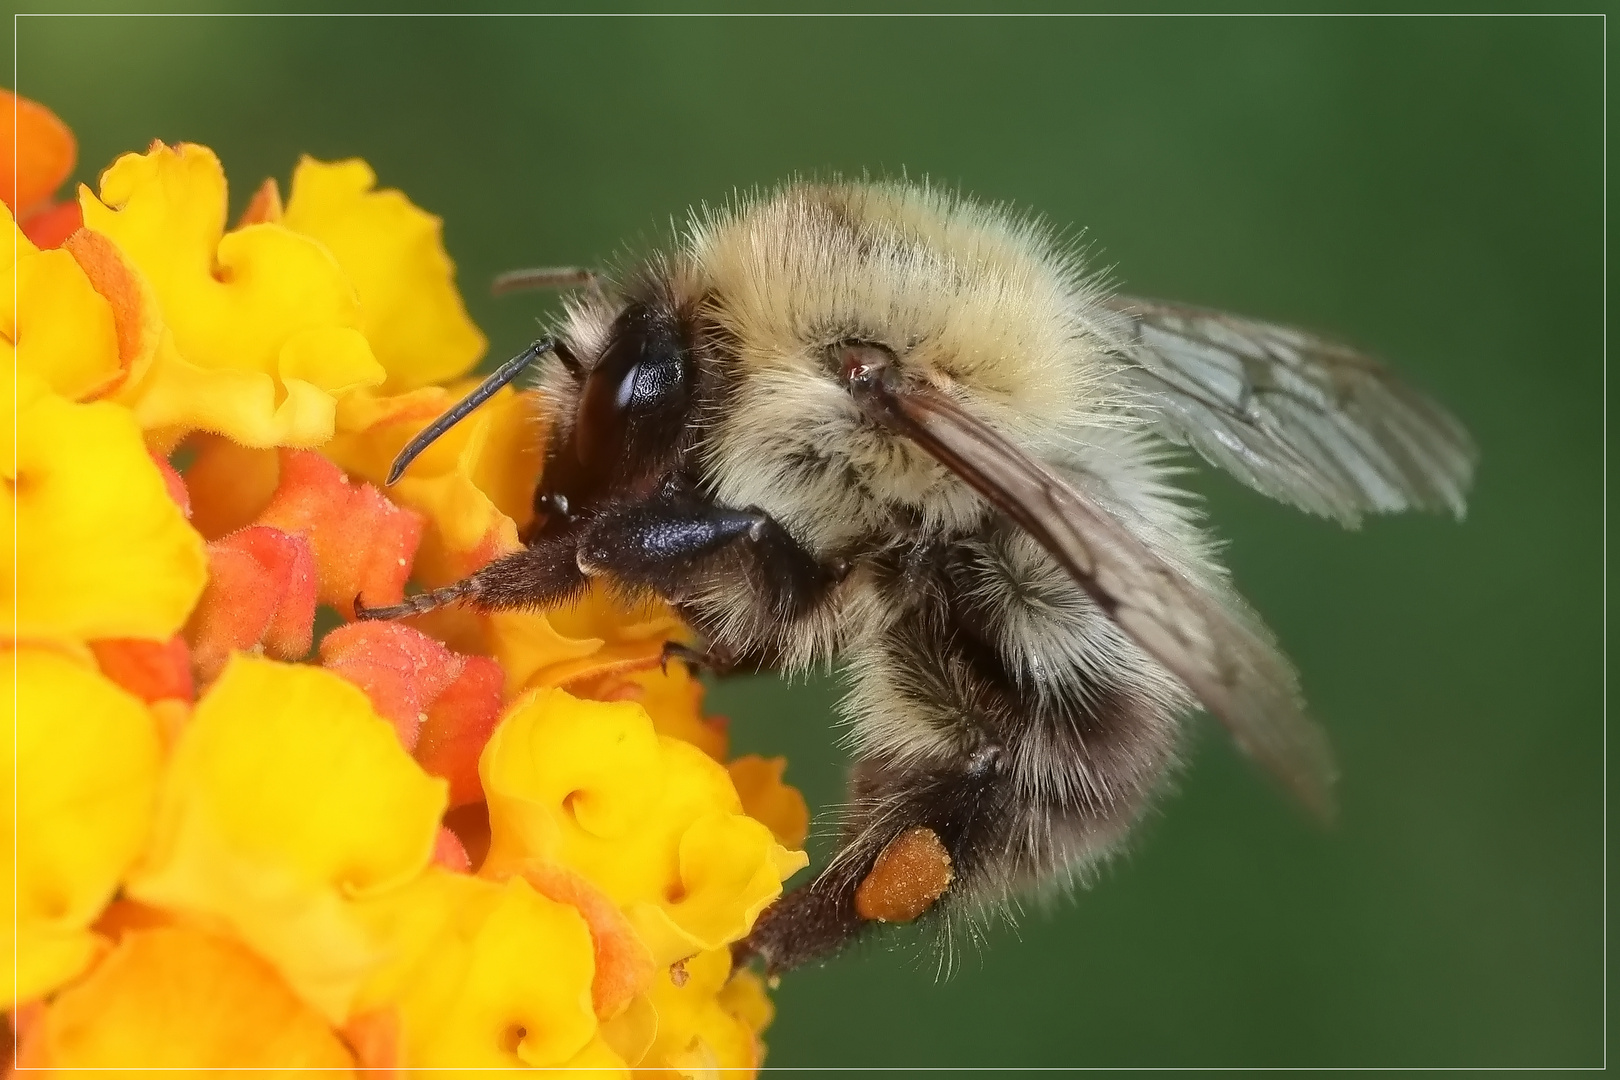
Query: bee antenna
(458, 412)
(543, 277)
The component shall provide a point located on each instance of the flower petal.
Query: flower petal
(401, 670)
(285, 796)
(699, 1027)
(41, 149)
(363, 543)
(86, 766)
(230, 484)
(179, 998)
(52, 224)
(458, 725)
(652, 821)
(151, 670)
(768, 799)
(391, 250)
(136, 314)
(232, 300)
(463, 977)
(62, 328)
(261, 591)
(80, 469)
(251, 407)
(624, 966)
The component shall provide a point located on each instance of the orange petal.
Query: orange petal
(41, 149)
(378, 1042)
(230, 484)
(450, 853)
(458, 725)
(265, 206)
(137, 317)
(151, 670)
(766, 798)
(52, 224)
(173, 482)
(363, 543)
(401, 670)
(261, 589)
(177, 998)
(624, 966)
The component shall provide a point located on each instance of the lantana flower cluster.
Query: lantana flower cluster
(463, 841)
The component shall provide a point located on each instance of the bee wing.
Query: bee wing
(1212, 645)
(1297, 417)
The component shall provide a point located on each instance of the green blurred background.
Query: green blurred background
(1430, 188)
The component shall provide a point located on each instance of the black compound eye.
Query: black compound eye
(636, 395)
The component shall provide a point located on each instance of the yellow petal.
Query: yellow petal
(232, 300)
(86, 766)
(62, 328)
(472, 485)
(651, 821)
(248, 407)
(178, 998)
(699, 1026)
(391, 250)
(102, 550)
(285, 797)
(482, 974)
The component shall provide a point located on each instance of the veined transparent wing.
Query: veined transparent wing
(1295, 416)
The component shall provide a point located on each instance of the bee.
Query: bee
(885, 425)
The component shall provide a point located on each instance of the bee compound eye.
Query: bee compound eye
(635, 395)
(861, 362)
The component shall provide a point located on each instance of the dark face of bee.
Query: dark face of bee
(630, 414)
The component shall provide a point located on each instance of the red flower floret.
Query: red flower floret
(363, 543)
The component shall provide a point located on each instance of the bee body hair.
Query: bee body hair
(884, 425)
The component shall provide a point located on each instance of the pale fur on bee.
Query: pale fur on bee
(1010, 325)
(951, 450)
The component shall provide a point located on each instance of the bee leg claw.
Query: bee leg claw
(715, 661)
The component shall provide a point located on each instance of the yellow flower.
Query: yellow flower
(86, 765)
(410, 310)
(286, 798)
(102, 550)
(704, 1022)
(483, 974)
(265, 876)
(71, 338)
(653, 821)
(260, 319)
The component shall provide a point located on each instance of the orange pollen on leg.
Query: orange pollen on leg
(909, 875)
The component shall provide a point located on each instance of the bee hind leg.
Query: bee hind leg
(917, 837)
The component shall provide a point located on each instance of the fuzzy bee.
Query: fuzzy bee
(884, 425)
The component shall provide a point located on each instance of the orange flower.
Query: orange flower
(42, 151)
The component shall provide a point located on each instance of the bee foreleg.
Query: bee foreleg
(543, 574)
(678, 542)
